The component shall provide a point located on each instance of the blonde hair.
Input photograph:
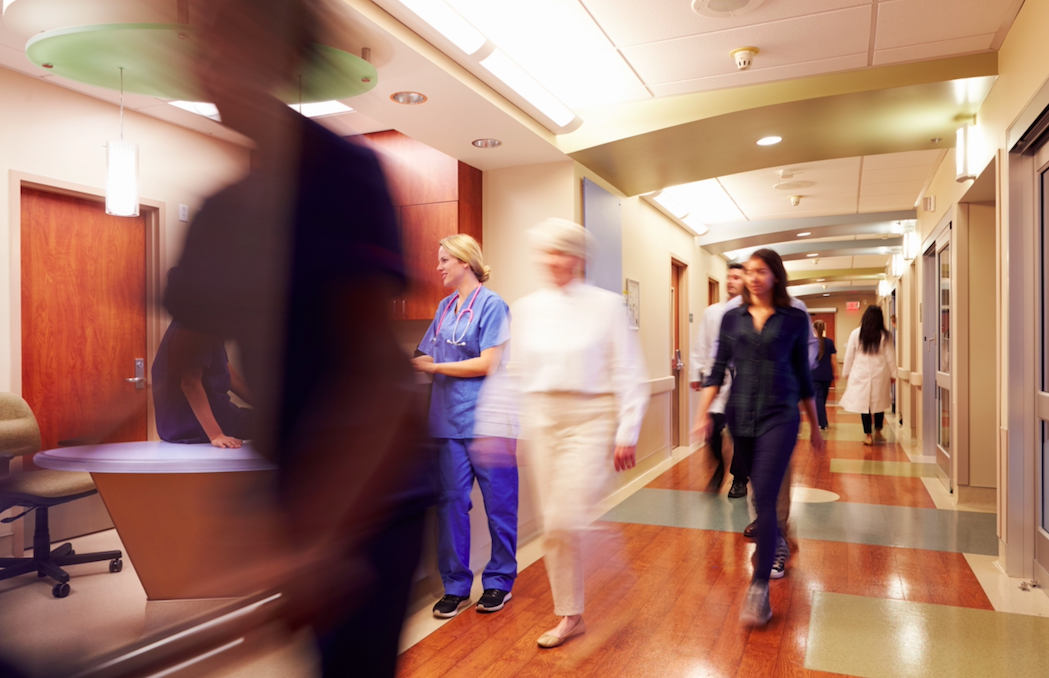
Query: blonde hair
(467, 250)
(562, 235)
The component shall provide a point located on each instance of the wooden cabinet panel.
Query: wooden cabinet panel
(470, 201)
(416, 173)
(424, 226)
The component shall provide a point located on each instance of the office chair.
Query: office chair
(39, 490)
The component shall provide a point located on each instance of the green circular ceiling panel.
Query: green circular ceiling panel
(158, 62)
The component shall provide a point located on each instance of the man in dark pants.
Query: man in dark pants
(702, 360)
(298, 262)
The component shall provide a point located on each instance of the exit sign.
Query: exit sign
(852, 305)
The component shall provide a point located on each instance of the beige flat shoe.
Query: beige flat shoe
(551, 639)
(868, 440)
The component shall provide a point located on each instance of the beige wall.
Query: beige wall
(982, 351)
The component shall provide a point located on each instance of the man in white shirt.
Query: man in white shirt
(702, 362)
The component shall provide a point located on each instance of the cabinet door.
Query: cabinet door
(422, 227)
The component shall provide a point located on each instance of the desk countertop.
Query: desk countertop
(152, 456)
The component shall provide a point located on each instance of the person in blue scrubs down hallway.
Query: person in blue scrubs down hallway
(465, 342)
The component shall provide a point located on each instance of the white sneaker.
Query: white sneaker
(779, 564)
(756, 610)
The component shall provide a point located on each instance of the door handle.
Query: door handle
(678, 363)
(139, 380)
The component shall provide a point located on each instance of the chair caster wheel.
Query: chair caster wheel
(60, 590)
(116, 565)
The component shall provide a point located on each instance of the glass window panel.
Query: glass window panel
(943, 399)
(945, 308)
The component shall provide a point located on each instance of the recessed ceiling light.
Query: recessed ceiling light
(671, 205)
(820, 279)
(408, 98)
(199, 107)
(769, 141)
(487, 143)
(802, 235)
(319, 109)
(696, 224)
(814, 254)
(827, 294)
(516, 78)
(729, 255)
(448, 23)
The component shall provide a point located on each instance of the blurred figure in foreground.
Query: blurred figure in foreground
(298, 263)
(767, 340)
(192, 380)
(702, 362)
(585, 392)
(870, 367)
(463, 344)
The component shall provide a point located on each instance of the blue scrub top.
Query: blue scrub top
(454, 399)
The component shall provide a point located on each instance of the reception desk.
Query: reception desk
(195, 520)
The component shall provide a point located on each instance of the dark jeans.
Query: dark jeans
(715, 440)
(771, 453)
(740, 467)
(822, 391)
(879, 421)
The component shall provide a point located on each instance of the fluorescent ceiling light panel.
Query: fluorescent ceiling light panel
(503, 67)
(561, 45)
(696, 224)
(320, 109)
(448, 23)
(671, 205)
(707, 200)
(198, 107)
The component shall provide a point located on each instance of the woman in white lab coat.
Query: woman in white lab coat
(870, 367)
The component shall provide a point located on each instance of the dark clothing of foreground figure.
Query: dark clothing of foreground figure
(771, 377)
(298, 263)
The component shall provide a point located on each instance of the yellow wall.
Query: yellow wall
(982, 368)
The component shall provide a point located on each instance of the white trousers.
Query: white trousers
(571, 439)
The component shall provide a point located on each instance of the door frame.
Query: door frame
(685, 342)
(155, 213)
(940, 237)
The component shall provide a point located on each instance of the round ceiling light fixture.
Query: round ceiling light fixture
(814, 254)
(724, 9)
(408, 98)
(769, 141)
(487, 143)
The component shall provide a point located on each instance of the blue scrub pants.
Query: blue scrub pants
(458, 468)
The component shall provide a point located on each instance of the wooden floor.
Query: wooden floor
(664, 601)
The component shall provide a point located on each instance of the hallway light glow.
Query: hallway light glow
(671, 205)
(769, 141)
(515, 77)
(966, 152)
(448, 23)
(696, 224)
(122, 179)
(805, 234)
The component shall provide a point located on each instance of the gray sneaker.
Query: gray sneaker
(756, 610)
(779, 563)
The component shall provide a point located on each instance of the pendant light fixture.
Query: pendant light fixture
(122, 170)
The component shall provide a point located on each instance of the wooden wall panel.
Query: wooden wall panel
(424, 226)
(83, 318)
(416, 173)
(470, 201)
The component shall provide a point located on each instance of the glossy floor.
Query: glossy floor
(883, 584)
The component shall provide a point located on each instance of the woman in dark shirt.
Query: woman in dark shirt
(766, 342)
(824, 374)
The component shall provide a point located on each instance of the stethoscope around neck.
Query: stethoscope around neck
(457, 341)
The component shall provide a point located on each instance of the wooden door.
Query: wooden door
(424, 226)
(83, 319)
(677, 364)
(828, 318)
(713, 292)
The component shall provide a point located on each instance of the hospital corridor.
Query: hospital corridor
(481, 339)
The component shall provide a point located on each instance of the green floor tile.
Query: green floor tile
(879, 638)
(903, 469)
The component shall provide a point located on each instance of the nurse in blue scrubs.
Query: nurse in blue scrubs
(465, 342)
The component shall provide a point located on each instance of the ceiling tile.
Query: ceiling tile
(888, 203)
(760, 75)
(896, 174)
(895, 188)
(668, 19)
(826, 264)
(905, 159)
(932, 50)
(915, 22)
(792, 41)
(871, 260)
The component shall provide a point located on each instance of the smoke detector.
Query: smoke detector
(795, 200)
(744, 57)
(725, 8)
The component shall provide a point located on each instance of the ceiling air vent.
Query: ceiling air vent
(725, 8)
